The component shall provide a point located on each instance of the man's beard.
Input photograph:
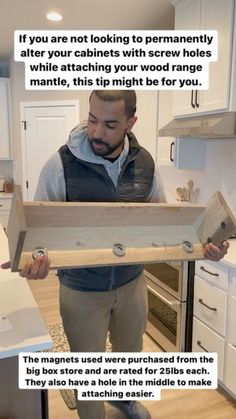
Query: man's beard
(107, 149)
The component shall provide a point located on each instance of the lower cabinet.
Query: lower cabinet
(232, 321)
(205, 340)
(214, 323)
(16, 403)
(230, 369)
(210, 304)
(230, 353)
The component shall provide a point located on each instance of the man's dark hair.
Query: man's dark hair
(128, 96)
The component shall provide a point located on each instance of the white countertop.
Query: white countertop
(19, 314)
(4, 195)
(230, 258)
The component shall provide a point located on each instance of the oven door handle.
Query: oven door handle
(168, 302)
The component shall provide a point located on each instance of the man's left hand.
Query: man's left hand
(216, 253)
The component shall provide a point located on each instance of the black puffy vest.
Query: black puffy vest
(90, 182)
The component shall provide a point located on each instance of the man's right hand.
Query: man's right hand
(38, 269)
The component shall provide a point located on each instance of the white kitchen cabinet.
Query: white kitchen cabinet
(207, 15)
(230, 368)
(205, 340)
(215, 331)
(187, 16)
(230, 354)
(234, 283)
(165, 151)
(5, 138)
(232, 321)
(216, 274)
(177, 152)
(210, 305)
(165, 145)
(145, 128)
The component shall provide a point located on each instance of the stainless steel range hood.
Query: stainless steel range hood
(218, 125)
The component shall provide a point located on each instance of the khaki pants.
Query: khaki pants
(87, 316)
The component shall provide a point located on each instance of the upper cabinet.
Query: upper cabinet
(177, 152)
(5, 137)
(165, 145)
(206, 15)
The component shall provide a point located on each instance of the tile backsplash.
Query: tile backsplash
(6, 169)
(218, 175)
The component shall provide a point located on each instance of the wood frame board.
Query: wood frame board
(86, 234)
(16, 229)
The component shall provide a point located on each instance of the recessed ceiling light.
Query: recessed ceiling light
(54, 16)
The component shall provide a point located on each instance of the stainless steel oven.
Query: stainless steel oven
(170, 295)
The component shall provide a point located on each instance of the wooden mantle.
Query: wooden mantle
(85, 234)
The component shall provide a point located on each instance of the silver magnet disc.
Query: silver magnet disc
(188, 246)
(119, 249)
(39, 251)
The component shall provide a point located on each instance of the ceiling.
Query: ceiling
(81, 14)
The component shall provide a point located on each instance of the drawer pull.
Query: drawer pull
(205, 305)
(208, 272)
(199, 343)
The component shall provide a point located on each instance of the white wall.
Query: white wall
(145, 128)
(19, 94)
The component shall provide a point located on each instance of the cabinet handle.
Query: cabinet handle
(208, 272)
(196, 102)
(205, 305)
(199, 343)
(171, 151)
(192, 102)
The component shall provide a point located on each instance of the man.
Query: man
(103, 161)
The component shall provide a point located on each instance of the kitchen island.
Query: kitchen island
(21, 330)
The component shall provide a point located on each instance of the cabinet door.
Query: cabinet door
(165, 145)
(214, 272)
(205, 340)
(5, 146)
(210, 305)
(215, 15)
(17, 403)
(218, 15)
(187, 16)
(232, 320)
(179, 153)
(165, 151)
(230, 368)
(145, 128)
(233, 291)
